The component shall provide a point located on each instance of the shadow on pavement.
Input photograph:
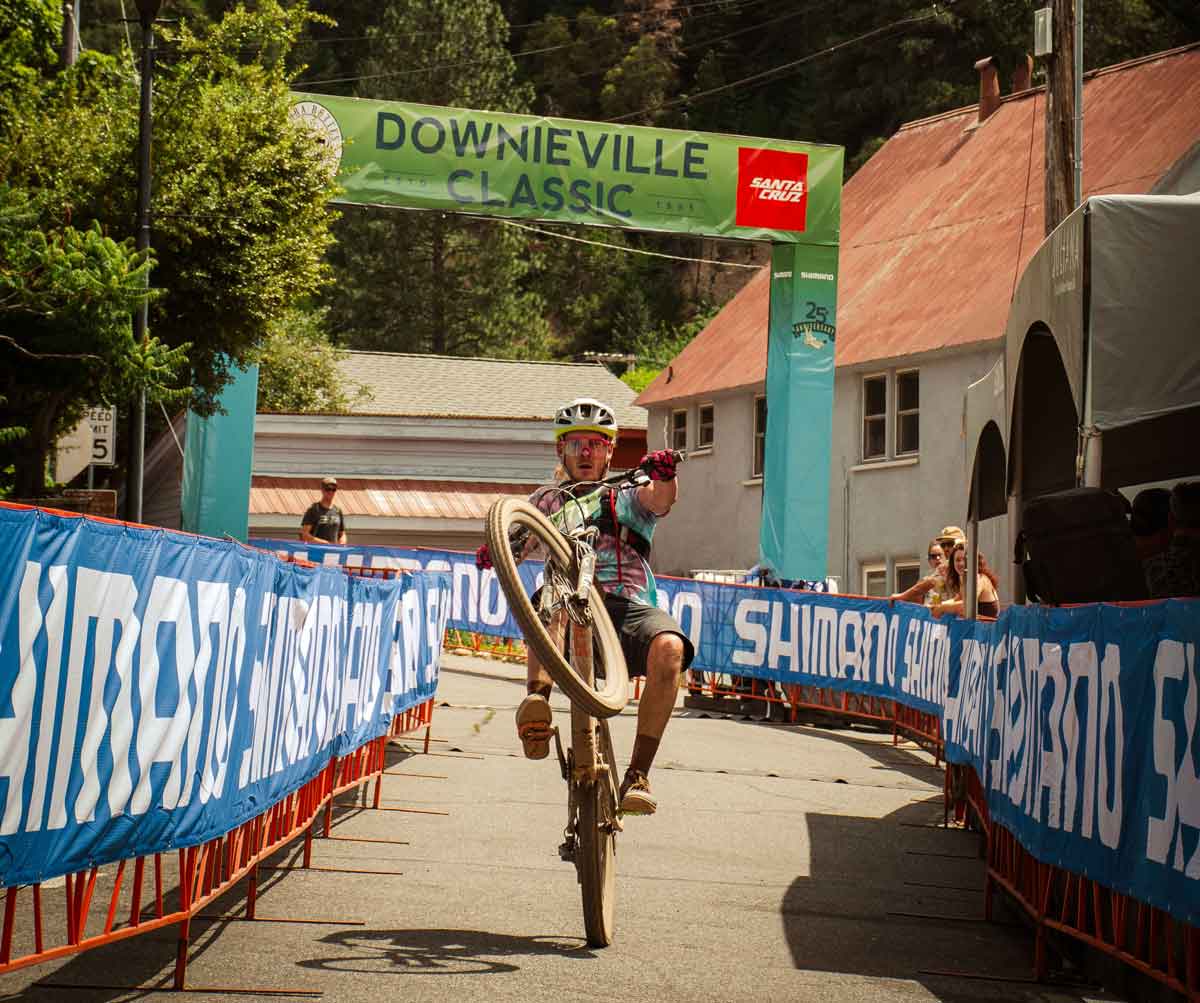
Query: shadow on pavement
(902, 897)
(438, 952)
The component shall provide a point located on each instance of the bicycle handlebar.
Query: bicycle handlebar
(631, 475)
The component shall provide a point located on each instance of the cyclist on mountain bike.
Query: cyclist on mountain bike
(653, 643)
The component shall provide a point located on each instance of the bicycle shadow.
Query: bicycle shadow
(439, 952)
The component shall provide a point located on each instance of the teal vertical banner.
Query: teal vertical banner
(795, 518)
(217, 460)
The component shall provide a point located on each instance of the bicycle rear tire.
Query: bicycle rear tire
(501, 517)
(596, 860)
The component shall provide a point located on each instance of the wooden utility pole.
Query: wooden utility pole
(1060, 115)
(70, 34)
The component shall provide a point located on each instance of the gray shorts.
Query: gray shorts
(638, 624)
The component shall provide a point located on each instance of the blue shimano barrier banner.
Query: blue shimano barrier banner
(159, 689)
(806, 638)
(477, 602)
(1082, 723)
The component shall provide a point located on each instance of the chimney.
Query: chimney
(1023, 75)
(989, 88)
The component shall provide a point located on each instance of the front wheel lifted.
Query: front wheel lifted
(503, 517)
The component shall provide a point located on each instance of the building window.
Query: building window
(874, 417)
(760, 436)
(908, 412)
(679, 430)
(704, 426)
(908, 573)
(874, 580)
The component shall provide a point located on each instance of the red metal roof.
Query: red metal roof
(937, 226)
(397, 499)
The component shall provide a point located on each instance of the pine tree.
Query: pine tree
(436, 282)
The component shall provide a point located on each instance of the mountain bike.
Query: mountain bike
(567, 627)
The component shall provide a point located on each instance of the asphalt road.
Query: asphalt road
(786, 863)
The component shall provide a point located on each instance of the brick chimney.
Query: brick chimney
(1023, 75)
(989, 88)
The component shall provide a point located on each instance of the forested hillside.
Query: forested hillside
(836, 71)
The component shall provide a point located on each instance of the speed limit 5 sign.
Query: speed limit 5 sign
(104, 435)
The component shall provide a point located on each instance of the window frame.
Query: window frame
(758, 459)
(873, 567)
(898, 413)
(905, 562)
(880, 416)
(676, 428)
(712, 425)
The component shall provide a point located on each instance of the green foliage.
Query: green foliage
(241, 223)
(298, 368)
(645, 78)
(857, 94)
(427, 282)
(30, 31)
(570, 62)
(655, 348)
(66, 299)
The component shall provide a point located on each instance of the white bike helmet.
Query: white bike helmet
(585, 414)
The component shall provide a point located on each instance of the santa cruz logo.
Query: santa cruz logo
(779, 189)
(772, 191)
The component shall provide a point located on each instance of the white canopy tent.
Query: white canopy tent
(1100, 378)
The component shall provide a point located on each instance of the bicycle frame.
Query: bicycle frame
(590, 760)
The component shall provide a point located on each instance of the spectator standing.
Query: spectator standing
(1176, 571)
(956, 572)
(931, 589)
(324, 522)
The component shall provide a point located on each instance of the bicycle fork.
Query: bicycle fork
(584, 765)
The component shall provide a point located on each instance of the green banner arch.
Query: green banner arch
(541, 169)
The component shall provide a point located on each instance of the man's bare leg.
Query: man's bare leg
(664, 665)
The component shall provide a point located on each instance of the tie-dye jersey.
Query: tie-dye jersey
(635, 581)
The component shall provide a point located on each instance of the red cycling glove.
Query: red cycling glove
(660, 465)
(483, 558)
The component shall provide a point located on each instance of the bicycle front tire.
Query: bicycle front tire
(596, 859)
(501, 518)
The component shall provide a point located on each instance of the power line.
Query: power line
(562, 45)
(731, 6)
(616, 247)
(442, 66)
(763, 76)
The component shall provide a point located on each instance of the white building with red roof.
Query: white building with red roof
(936, 229)
(421, 457)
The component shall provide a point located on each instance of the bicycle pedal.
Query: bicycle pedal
(566, 851)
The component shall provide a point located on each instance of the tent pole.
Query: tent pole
(971, 584)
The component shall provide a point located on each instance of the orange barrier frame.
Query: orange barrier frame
(206, 871)
(923, 728)
(213, 868)
(1141, 936)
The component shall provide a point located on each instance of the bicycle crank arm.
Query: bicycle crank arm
(562, 759)
(589, 774)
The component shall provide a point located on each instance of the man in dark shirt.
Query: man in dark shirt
(324, 522)
(1176, 571)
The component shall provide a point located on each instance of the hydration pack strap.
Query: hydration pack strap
(606, 522)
